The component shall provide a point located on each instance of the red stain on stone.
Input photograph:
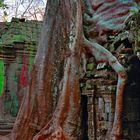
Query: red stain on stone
(41, 137)
(24, 74)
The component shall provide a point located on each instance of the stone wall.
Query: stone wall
(99, 86)
(18, 45)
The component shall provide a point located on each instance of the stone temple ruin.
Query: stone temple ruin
(99, 85)
(18, 45)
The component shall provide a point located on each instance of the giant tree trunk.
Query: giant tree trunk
(64, 122)
(56, 74)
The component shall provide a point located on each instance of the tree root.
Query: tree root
(103, 55)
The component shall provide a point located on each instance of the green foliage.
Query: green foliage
(2, 5)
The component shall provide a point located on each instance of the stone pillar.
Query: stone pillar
(91, 115)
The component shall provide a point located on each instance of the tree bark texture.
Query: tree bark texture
(50, 110)
(58, 76)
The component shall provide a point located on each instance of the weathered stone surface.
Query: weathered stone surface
(18, 45)
(103, 83)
